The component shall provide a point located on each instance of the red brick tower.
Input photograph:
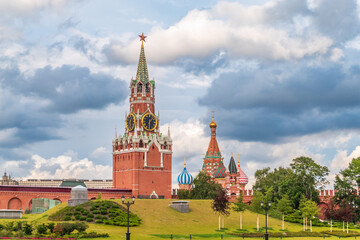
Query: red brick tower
(142, 156)
(213, 156)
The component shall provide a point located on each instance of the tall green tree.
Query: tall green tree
(310, 210)
(303, 176)
(310, 175)
(256, 206)
(239, 206)
(204, 187)
(221, 204)
(347, 182)
(285, 207)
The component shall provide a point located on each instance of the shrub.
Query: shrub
(41, 229)
(19, 233)
(90, 215)
(28, 229)
(59, 230)
(77, 217)
(96, 212)
(89, 219)
(6, 233)
(99, 221)
(104, 212)
(81, 227)
(67, 218)
(51, 227)
(78, 209)
(82, 218)
(94, 235)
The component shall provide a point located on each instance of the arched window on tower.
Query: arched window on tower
(139, 88)
(165, 145)
(147, 88)
(141, 144)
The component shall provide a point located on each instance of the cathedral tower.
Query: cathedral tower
(213, 158)
(142, 156)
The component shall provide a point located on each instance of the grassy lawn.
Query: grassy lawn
(159, 221)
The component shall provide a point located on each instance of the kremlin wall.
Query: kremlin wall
(142, 160)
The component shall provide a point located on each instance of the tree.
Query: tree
(311, 175)
(309, 210)
(346, 213)
(331, 212)
(239, 206)
(204, 187)
(302, 177)
(221, 204)
(184, 194)
(284, 206)
(256, 206)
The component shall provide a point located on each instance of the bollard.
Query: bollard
(339, 235)
(171, 237)
(221, 236)
(243, 235)
(190, 236)
(355, 236)
(280, 236)
(324, 236)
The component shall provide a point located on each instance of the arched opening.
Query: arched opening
(141, 144)
(93, 198)
(14, 203)
(147, 88)
(57, 199)
(29, 207)
(139, 88)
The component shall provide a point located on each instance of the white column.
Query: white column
(145, 159)
(162, 160)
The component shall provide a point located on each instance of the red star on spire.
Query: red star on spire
(142, 37)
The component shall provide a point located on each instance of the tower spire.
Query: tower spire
(142, 71)
(184, 162)
(115, 134)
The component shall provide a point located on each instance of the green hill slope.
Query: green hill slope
(159, 221)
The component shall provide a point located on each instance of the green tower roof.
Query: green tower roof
(142, 71)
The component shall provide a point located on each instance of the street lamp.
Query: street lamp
(128, 204)
(266, 207)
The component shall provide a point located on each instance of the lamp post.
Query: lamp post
(128, 204)
(266, 207)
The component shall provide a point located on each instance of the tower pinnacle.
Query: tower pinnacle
(142, 71)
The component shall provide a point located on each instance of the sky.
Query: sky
(283, 78)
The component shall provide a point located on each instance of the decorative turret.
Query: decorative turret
(243, 179)
(232, 165)
(213, 155)
(185, 179)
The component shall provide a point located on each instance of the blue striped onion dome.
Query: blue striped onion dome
(185, 177)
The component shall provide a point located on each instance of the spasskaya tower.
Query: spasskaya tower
(142, 156)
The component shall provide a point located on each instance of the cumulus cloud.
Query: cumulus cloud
(67, 166)
(26, 8)
(278, 30)
(67, 89)
(281, 100)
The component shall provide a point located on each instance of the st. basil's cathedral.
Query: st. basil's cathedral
(233, 179)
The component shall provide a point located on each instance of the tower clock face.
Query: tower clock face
(130, 122)
(149, 122)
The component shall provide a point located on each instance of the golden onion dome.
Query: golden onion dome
(213, 123)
